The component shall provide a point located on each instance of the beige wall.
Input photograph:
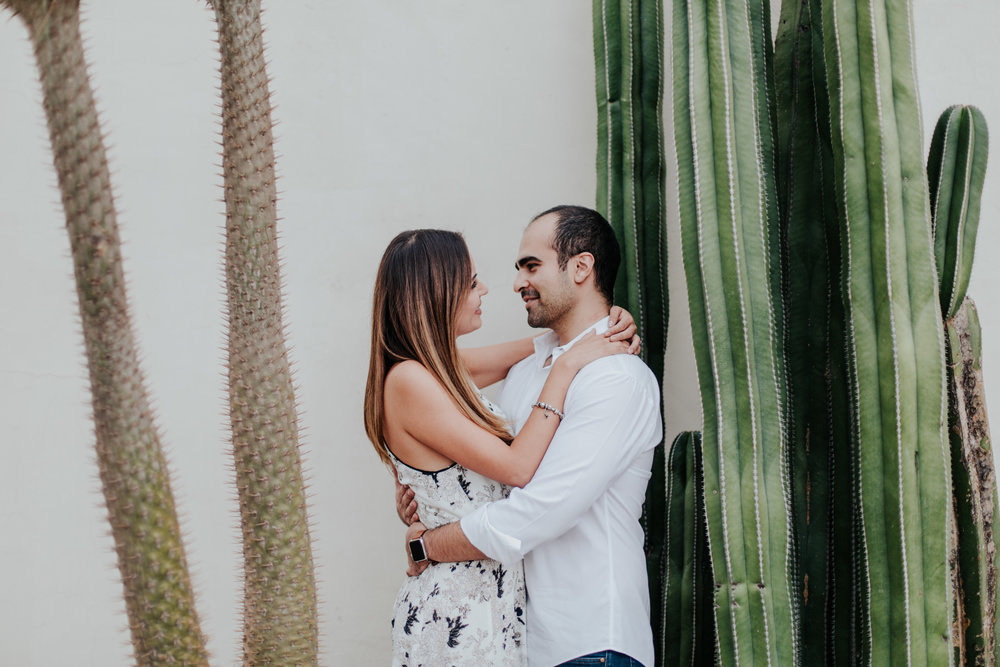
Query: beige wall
(393, 115)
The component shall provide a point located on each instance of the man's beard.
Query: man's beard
(543, 315)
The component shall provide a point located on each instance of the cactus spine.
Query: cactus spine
(723, 132)
(280, 624)
(956, 169)
(134, 478)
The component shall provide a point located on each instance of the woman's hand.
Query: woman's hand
(621, 326)
(589, 348)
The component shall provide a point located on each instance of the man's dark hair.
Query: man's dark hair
(579, 229)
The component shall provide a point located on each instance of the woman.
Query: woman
(428, 421)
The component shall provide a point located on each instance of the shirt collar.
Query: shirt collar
(547, 345)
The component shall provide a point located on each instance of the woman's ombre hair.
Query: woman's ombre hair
(423, 280)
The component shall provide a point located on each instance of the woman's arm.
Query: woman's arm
(428, 415)
(490, 363)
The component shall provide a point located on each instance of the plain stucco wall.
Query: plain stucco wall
(392, 115)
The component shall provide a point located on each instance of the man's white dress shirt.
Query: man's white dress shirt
(576, 523)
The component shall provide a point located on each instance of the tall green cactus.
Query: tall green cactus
(815, 343)
(134, 478)
(628, 55)
(956, 169)
(723, 130)
(896, 334)
(855, 320)
(279, 623)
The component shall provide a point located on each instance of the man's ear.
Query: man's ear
(583, 267)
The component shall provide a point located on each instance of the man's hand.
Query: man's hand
(413, 569)
(406, 506)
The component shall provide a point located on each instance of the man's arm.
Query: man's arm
(444, 544)
(612, 421)
(406, 502)
(587, 453)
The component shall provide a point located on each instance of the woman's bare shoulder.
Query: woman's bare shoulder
(410, 377)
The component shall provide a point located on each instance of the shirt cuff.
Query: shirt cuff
(485, 537)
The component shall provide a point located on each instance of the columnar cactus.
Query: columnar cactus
(728, 205)
(280, 623)
(134, 478)
(854, 319)
(896, 337)
(815, 358)
(956, 169)
(628, 54)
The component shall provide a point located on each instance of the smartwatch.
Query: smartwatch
(417, 550)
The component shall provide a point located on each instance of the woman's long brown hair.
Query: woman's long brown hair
(423, 279)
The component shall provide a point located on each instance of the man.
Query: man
(575, 524)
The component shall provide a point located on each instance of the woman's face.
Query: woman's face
(470, 314)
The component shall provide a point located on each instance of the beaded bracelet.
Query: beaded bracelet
(554, 410)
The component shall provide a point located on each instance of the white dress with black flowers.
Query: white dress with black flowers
(456, 614)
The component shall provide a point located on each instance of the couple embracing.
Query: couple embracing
(525, 545)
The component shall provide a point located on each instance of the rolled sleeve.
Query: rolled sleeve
(485, 537)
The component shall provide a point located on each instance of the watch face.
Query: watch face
(417, 550)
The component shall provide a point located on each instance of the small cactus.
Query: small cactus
(683, 615)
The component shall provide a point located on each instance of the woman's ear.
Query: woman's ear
(583, 266)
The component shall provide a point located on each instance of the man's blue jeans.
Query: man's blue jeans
(604, 659)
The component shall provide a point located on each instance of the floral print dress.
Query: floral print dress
(457, 614)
